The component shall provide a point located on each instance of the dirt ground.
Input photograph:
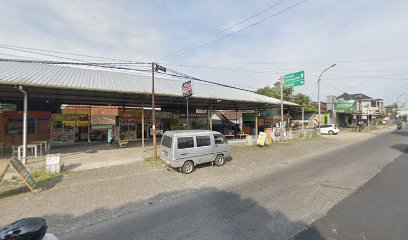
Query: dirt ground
(82, 198)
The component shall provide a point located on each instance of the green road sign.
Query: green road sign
(294, 79)
(347, 105)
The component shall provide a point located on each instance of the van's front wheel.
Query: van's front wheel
(188, 167)
(219, 160)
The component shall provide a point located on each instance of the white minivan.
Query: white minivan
(185, 149)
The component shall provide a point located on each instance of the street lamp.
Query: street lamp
(396, 102)
(318, 90)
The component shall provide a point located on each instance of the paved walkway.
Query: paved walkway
(86, 197)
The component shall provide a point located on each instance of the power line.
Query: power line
(226, 29)
(230, 34)
(12, 55)
(223, 67)
(72, 63)
(65, 53)
(175, 73)
(183, 75)
(308, 62)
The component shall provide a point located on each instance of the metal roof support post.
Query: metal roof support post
(89, 121)
(154, 118)
(24, 159)
(281, 98)
(143, 129)
(256, 124)
(211, 114)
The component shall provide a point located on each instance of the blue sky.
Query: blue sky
(367, 39)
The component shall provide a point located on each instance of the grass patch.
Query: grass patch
(43, 180)
(150, 160)
(42, 177)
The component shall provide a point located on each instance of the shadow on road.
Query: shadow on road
(401, 147)
(191, 214)
(377, 211)
(400, 133)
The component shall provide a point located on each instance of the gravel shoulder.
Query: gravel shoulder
(84, 198)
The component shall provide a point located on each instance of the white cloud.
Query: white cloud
(311, 37)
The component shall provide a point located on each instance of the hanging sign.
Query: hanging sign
(187, 89)
(159, 68)
(345, 105)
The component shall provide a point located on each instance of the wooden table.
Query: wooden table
(29, 146)
(229, 135)
(123, 143)
(242, 135)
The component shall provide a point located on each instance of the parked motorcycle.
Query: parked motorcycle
(399, 126)
(27, 229)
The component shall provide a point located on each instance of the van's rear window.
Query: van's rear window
(167, 141)
(185, 142)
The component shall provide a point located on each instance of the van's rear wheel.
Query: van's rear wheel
(219, 160)
(188, 167)
(331, 132)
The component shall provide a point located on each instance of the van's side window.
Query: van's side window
(203, 141)
(167, 141)
(185, 142)
(219, 139)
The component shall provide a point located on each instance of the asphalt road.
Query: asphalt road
(278, 205)
(377, 211)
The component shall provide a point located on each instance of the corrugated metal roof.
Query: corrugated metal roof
(70, 77)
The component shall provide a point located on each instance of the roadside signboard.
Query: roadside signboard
(187, 89)
(294, 79)
(4, 169)
(23, 173)
(261, 139)
(346, 105)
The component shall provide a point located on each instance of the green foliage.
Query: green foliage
(305, 101)
(275, 91)
(299, 98)
(392, 109)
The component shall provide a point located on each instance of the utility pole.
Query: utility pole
(188, 122)
(143, 129)
(154, 118)
(281, 93)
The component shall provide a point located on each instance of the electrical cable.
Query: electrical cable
(65, 53)
(228, 28)
(230, 34)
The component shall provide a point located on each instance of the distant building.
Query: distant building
(366, 109)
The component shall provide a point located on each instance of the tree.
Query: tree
(305, 101)
(299, 98)
(275, 91)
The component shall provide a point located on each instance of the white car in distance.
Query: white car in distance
(329, 129)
